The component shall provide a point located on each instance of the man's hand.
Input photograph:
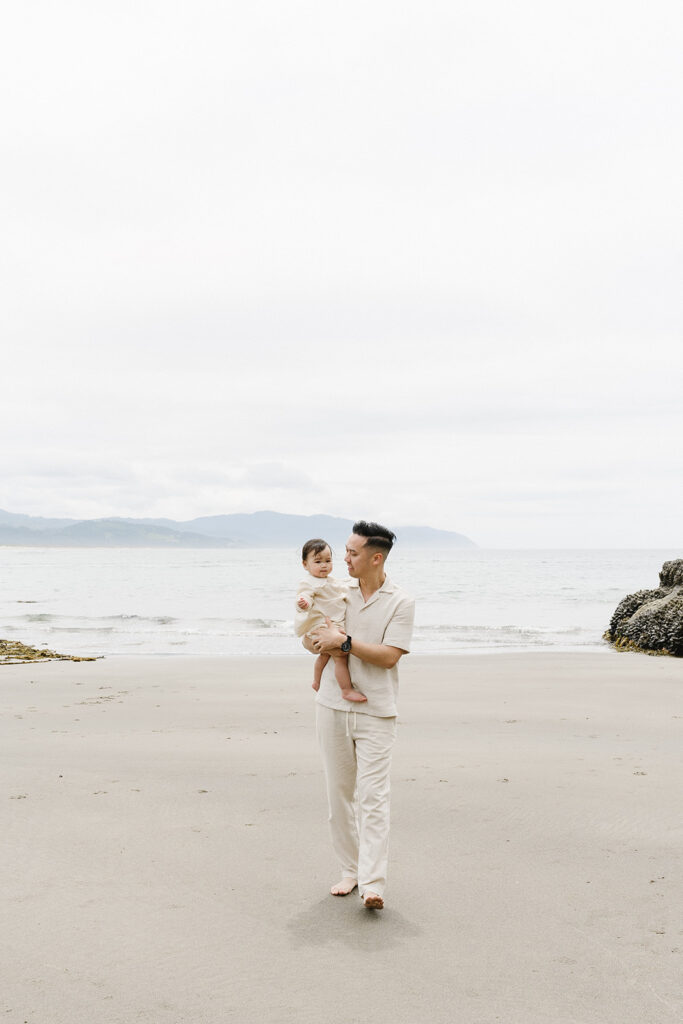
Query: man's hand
(328, 638)
(303, 603)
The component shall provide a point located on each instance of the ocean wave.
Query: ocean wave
(444, 638)
(158, 620)
(258, 623)
(507, 630)
(82, 629)
(243, 627)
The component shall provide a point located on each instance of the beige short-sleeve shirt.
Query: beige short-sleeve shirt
(386, 618)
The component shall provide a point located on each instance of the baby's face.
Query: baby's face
(319, 564)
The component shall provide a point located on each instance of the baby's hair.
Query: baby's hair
(313, 547)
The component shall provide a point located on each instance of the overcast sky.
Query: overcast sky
(419, 262)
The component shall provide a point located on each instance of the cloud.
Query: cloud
(276, 476)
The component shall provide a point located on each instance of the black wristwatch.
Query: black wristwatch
(346, 644)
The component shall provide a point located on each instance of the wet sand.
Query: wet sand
(165, 857)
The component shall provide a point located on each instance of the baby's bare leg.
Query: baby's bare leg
(341, 671)
(320, 663)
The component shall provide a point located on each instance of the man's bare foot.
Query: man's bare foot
(372, 901)
(344, 887)
(354, 695)
(315, 684)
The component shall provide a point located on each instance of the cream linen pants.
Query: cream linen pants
(356, 751)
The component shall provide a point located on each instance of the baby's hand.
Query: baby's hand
(303, 603)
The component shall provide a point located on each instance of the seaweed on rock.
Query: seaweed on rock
(14, 653)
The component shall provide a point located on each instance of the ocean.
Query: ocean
(118, 601)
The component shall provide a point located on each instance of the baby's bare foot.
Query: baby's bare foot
(344, 887)
(354, 695)
(315, 684)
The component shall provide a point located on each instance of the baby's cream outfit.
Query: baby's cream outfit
(326, 598)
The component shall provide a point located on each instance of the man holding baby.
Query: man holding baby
(356, 739)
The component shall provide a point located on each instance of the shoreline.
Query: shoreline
(599, 648)
(166, 853)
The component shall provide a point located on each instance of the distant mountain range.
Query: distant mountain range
(239, 530)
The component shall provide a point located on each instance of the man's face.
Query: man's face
(358, 558)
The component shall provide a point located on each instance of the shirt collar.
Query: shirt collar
(386, 588)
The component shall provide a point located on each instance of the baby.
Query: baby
(318, 598)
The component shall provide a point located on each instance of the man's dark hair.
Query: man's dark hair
(314, 546)
(378, 537)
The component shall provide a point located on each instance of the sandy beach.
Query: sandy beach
(165, 855)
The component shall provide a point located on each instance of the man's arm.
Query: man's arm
(381, 655)
(329, 641)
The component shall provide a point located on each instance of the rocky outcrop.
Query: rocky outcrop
(652, 620)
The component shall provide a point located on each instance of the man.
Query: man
(356, 740)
